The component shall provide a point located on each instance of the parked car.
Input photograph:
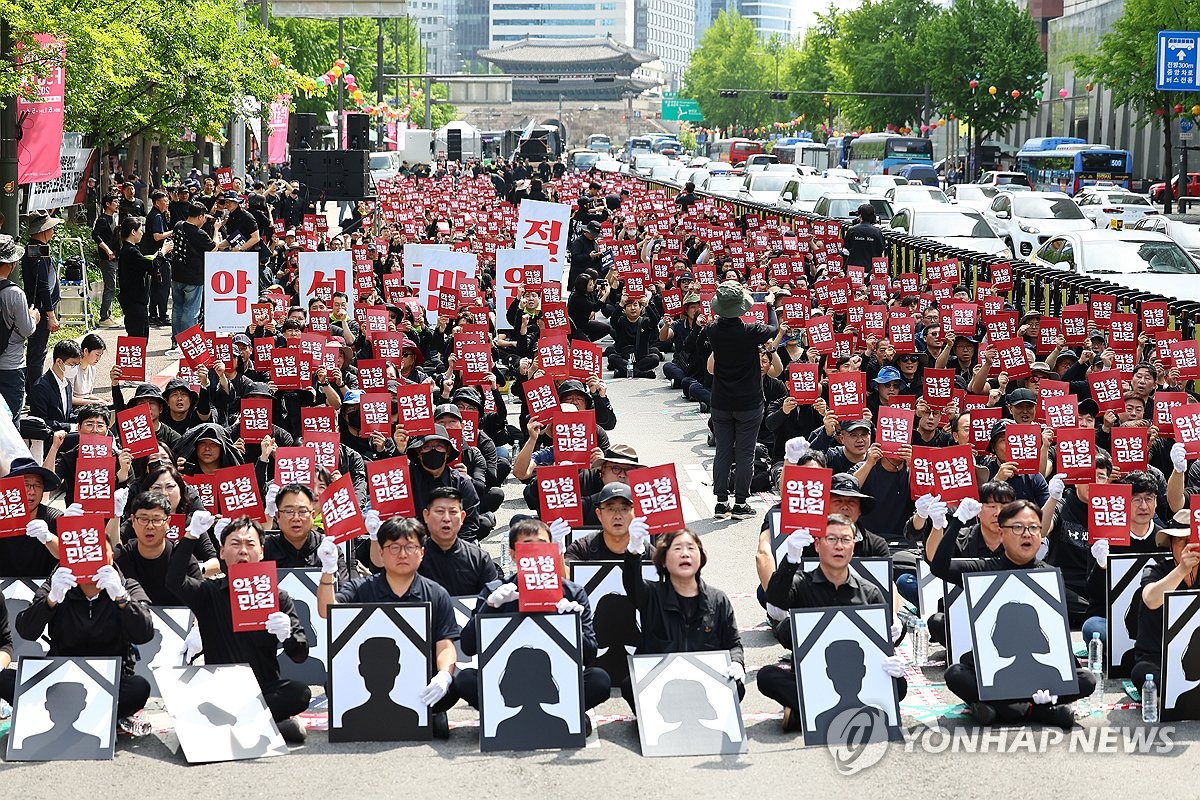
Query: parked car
(1184, 229)
(920, 173)
(998, 178)
(722, 184)
(844, 206)
(643, 163)
(971, 195)
(1142, 260)
(599, 142)
(1113, 207)
(879, 184)
(582, 160)
(955, 227)
(802, 193)
(914, 194)
(609, 164)
(384, 165)
(1157, 190)
(1026, 220)
(840, 173)
(763, 187)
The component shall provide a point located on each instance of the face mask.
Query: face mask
(69, 372)
(434, 459)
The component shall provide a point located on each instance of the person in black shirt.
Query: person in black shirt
(241, 229)
(131, 204)
(460, 567)
(108, 245)
(191, 242)
(582, 252)
(146, 559)
(26, 556)
(6, 640)
(687, 198)
(830, 585)
(241, 543)
(864, 240)
(1065, 528)
(1178, 573)
(158, 230)
(295, 546)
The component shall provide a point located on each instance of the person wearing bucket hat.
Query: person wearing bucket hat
(27, 556)
(677, 330)
(187, 405)
(737, 402)
(39, 278)
(430, 457)
(20, 322)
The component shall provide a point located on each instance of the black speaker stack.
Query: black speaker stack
(335, 174)
(302, 132)
(358, 132)
(454, 145)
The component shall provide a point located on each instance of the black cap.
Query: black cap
(614, 490)
(1020, 396)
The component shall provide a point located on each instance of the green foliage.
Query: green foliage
(730, 56)
(809, 68)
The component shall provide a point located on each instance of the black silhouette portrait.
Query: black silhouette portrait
(685, 703)
(239, 747)
(380, 718)
(846, 667)
(65, 703)
(310, 671)
(1132, 613)
(1017, 634)
(1187, 704)
(617, 634)
(22, 648)
(528, 683)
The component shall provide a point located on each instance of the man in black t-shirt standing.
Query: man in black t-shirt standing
(157, 229)
(241, 229)
(191, 243)
(864, 241)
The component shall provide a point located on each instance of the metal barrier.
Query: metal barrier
(1035, 288)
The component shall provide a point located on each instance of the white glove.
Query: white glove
(937, 514)
(192, 645)
(437, 688)
(639, 536)
(269, 502)
(736, 672)
(560, 529)
(1042, 697)
(280, 624)
(1057, 486)
(893, 666)
(200, 522)
(327, 551)
(108, 579)
(1043, 549)
(220, 525)
(73, 510)
(120, 498)
(968, 510)
(925, 502)
(896, 629)
(796, 449)
(503, 594)
(38, 529)
(60, 582)
(1100, 553)
(372, 521)
(1179, 457)
(796, 542)
(566, 606)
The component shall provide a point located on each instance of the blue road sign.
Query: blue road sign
(1175, 67)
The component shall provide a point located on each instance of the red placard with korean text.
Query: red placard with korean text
(1130, 449)
(92, 445)
(1108, 512)
(82, 547)
(586, 360)
(938, 385)
(12, 507)
(375, 413)
(326, 446)
(135, 429)
(1185, 357)
(945, 471)
(176, 525)
(539, 581)
(559, 493)
(1186, 422)
(902, 334)
(1194, 519)
(288, 368)
(1076, 454)
(372, 375)
(390, 486)
(1106, 390)
(237, 492)
(206, 488)
(573, 437)
(541, 400)
(1059, 412)
(318, 419)
(982, 422)
(131, 358)
(475, 362)
(847, 395)
(1013, 359)
(805, 499)
(94, 481)
(554, 356)
(656, 497)
(253, 594)
(1154, 316)
(1024, 446)
(893, 430)
(415, 406)
(194, 346)
(296, 465)
(256, 418)
(803, 382)
(1163, 403)
(340, 514)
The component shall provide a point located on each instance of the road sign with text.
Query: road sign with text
(1176, 64)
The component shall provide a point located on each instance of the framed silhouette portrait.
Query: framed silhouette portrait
(686, 705)
(616, 620)
(380, 660)
(1180, 682)
(166, 648)
(301, 586)
(778, 537)
(1019, 633)
(837, 655)
(872, 569)
(64, 709)
(957, 621)
(18, 596)
(1123, 580)
(931, 590)
(219, 713)
(530, 682)
(464, 609)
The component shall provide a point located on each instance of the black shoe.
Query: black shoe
(983, 713)
(741, 511)
(676, 385)
(644, 373)
(587, 726)
(721, 509)
(704, 408)
(791, 720)
(1060, 716)
(292, 730)
(620, 373)
(711, 441)
(440, 725)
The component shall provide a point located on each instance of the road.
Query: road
(663, 428)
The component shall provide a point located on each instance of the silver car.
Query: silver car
(955, 227)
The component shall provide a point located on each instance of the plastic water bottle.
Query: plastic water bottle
(920, 637)
(1096, 658)
(1149, 701)
(5, 710)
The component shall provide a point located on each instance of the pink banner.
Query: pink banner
(277, 128)
(39, 148)
(393, 131)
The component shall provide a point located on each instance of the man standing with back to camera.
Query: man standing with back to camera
(864, 240)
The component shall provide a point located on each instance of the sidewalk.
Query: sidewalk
(159, 368)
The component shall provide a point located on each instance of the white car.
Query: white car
(879, 184)
(802, 194)
(915, 194)
(643, 163)
(1142, 260)
(971, 195)
(764, 187)
(698, 161)
(840, 173)
(955, 227)
(607, 164)
(384, 166)
(724, 184)
(1026, 220)
(718, 166)
(664, 173)
(1184, 230)
(1104, 206)
(844, 206)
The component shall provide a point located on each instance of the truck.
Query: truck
(415, 145)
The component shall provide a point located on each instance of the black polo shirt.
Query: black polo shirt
(594, 548)
(151, 573)
(462, 570)
(376, 589)
(277, 548)
(792, 588)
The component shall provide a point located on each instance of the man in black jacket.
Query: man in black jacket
(864, 240)
(429, 459)
(582, 251)
(108, 244)
(460, 567)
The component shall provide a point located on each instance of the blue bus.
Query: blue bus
(1068, 164)
(839, 150)
(885, 153)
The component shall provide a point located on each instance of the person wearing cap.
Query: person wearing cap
(191, 243)
(885, 386)
(1022, 405)
(587, 298)
(295, 546)
(187, 407)
(593, 396)
(490, 427)
(471, 462)
(614, 510)
(20, 321)
(737, 403)
(1025, 487)
(844, 444)
(26, 556)
(460, 567)
(582, 252)
(1161, 576)
(241, 229)
(39, 277)
(429, 459)
(863, 240)
(676, 331)
(830, 584)
(1065, 518)
(149, 395)
(108, 245)
(910, 368)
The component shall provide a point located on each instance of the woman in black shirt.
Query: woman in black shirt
(133, 276)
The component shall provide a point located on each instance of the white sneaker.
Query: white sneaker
(174, 352)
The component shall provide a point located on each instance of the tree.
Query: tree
(1125, 63)
(991, 43)
(730, 56)
(807, 68)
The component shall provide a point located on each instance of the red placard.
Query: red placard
(135, 429)
(1164, 402)
(791, 312)
(573, 437)
(389, 346)
(1130, 449)
(1002, 277)
(803, 382)
(902, 334)
(1058, 412)
(296, 465)
(538, 579)
(805, 499)
(195, 347)
(586, 360)
(391, 487)
(1123, 332)
(1101, 307)
(982, 422)
(963, 318)
(1108, 512)
(415, 405)
(237, 492)
(656, 497)
(1106, 390)
(94, 481)
(176, 524)
(554, 319)
(13, 515)
(1013, 359)
(318, 419)
(340, 514)
(938, 386)
(1076, 450)
(206, 488)
(541, 400)
(375, 413)
(92, 445)
(1194, 519)
(672, 300)
(1155, 317)
(256, 418)
(1075, 325)
(1024, 446)
(945, 471)
(326, 446)
(264, 349)
(290, 368)
(821, 333)
(847, 395)
(553, 355)
(1048, 332)
(559, 493)
(1186, 422)
(253, 594)
(894, 430)
(82, 548)
(131, 358)
(372, 375)
(475, 361)
(1186, 358)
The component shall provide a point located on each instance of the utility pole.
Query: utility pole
(341, 100)
(8, 143)
(381, 123)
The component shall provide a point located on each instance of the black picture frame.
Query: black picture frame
(778, 537)
(1006, 610)
(18, 595)
(1179, 685)
(301, 586)
(392, 640)
(547, 646)
(219, 713)
(957, 622)
(684, 690)
(844, 645)
(464, 609)
(617, 622)
(64, 709)
(1123, 589)
(165, 648)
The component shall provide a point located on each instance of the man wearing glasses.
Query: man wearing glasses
(146, 558)
(831, 584)
(295, 546)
